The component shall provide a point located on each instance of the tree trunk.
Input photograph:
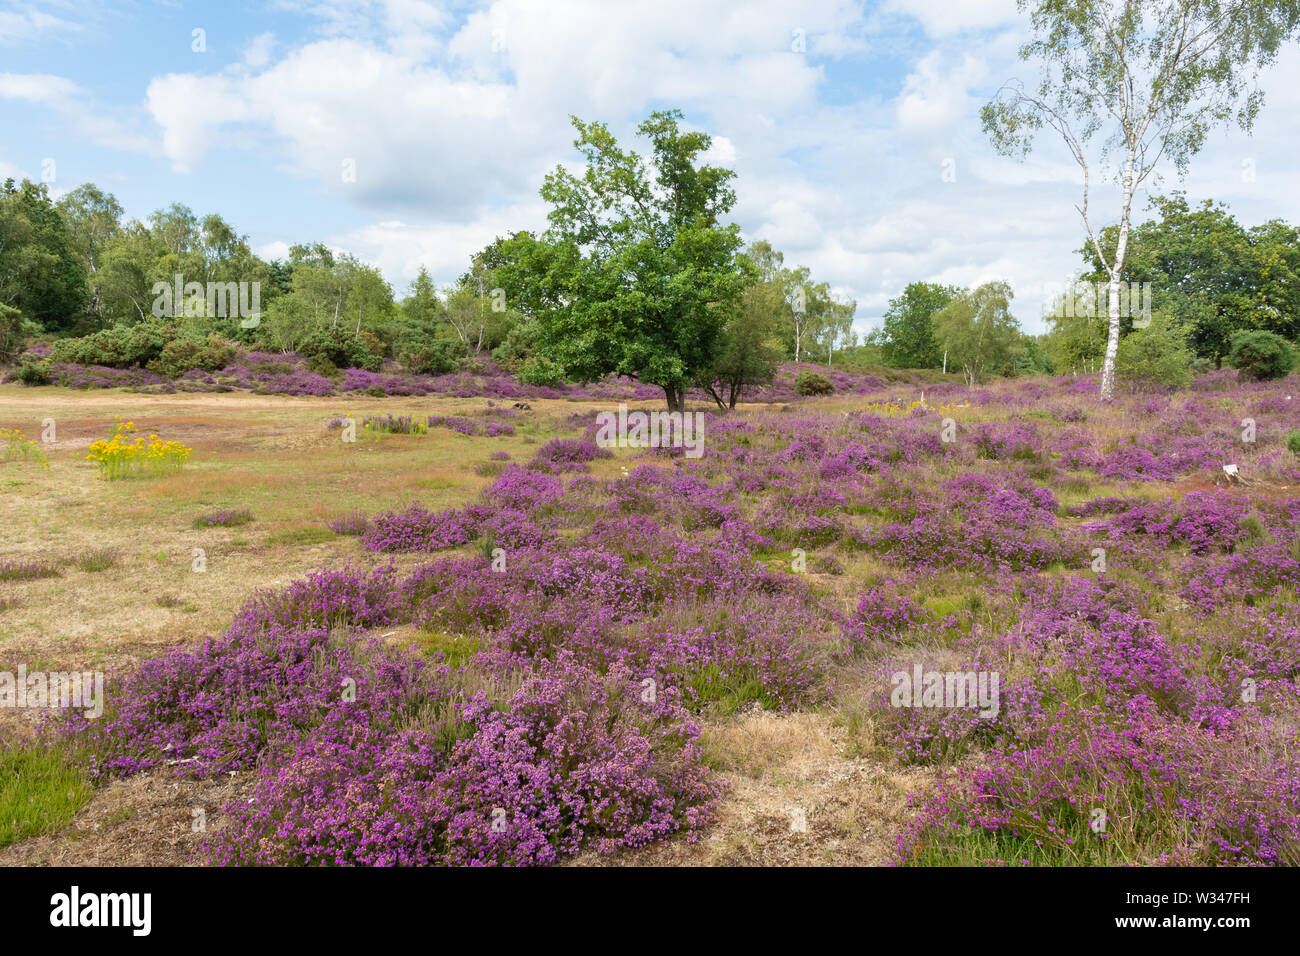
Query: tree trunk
(1112, 339)
(675, 396)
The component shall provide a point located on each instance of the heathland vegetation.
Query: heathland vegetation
(952, 594)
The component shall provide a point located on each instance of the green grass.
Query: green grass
(300, 536)
(723, 698)
(457, 649)
(41, 790)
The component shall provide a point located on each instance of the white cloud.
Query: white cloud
(24, 22)
(74, 105)
(937, 96)
(42, 88)
(257, 53)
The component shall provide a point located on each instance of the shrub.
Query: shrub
(1261, 356)
(1293, 441)
(354, 523)
(122, 346)
(540, 372)
(19, 446)
(394, 425)
(431, 356)
(812, 383)
(33, 372)
(1155, 355)
(186, 354)
(28, 570)
(97, 559)
(341, 349)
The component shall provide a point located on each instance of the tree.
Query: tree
(94, 219)
(817, 315)
(1156, 76)
(14, 331)
(1076, 337)
(635, 275)
(126, 274)
(978, 330)
(1215, 275)
(421, 307)
(750, 348)
(835, 327)
(40, 270)
(907, 334)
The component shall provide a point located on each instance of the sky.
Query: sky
(411, 133)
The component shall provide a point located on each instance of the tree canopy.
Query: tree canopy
(637, 275)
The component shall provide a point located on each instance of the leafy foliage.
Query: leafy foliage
(1155, 355)
(636, 275)
(1261, 356)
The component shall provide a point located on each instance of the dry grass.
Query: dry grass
(796, 799)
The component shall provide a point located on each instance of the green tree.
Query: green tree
(14, 332)
(1215, 275)
(421, 307)
(1155, 76)
(750, 348)
(94, 219)
(636, 275)
(978, 331)
(40, 270)
(1076, 339)
(906, 336)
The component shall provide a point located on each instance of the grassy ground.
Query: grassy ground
(801, 792)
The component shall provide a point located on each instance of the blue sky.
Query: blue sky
(840, 119)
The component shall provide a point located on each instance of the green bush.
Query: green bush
(122, 346)
(539, 372)
(34, 372)
(341, 349)
(1260, 355)
(431, 356)
(1155, 355)
(813, 383)
(1293, 441)
(184, 354)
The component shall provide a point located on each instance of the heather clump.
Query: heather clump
(573, 759)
